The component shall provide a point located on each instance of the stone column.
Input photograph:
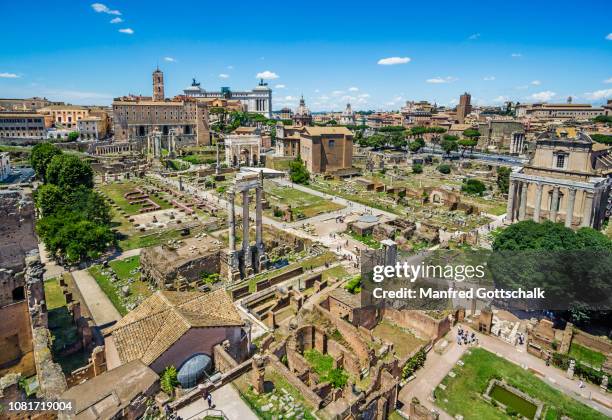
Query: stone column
(217, 166)
(569, 212)
(588, 209)
(538, 203)
(553, 204)
(523, 201)
(232, 220)
(258, 217)
(510, 208)
(245, 227)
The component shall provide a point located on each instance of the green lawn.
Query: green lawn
(302, 203)
(366, 239)
(123, 268)
(404, 342)
(337, 272)
(463, 393)
(116, 190)
(54, 296)
(586, 355)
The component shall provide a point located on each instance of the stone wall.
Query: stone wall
(224, 361)
(351, 335)
(51, 380)
(420, 322)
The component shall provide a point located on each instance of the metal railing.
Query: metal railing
(209, 412)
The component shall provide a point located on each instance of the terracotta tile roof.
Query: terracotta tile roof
(318, 131)
(158, 322)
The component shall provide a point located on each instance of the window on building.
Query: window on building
(560, 161)
(332, 143)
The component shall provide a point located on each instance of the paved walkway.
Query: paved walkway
(226, 399)
(437, 367)
(102, 310)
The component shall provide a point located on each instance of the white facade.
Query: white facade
(258, 100)
(242, 150)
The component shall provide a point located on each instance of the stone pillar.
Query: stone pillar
(569, 212)
(258, 217)
(217, 165)
(538, 203)
(510, 208)
(232, 220)
(588, 209)
(523, 201)
(553, 204)
(245, 228)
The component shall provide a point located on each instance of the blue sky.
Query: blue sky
(329, 51)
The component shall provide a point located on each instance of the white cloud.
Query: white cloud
(317, 90)
(474, 36)
(438, 80)
(102, 8)
(170, 59)
(488, 78)
(290, 98)
(608, 80)
(536, 83)
(393, 61)
(516, 55)
(128, 31)
(353, 89)
(9, 76)
(230, 67)
(337, 92)
(268, 75)
(363, 95)
(599, 94)
(280, 86)
(546, 95)
(501, 99)
(609, 36)
(224, 76)
(522, 87)
(116, 20)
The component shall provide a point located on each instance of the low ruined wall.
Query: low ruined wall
(306, 392)
(264, 284)
(600, 344)
(51, 380)
(224, 362)
(350, 334)
(423, 324)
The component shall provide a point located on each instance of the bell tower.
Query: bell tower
(158, 85)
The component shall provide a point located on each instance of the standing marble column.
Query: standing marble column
(258, 218)
(245, 228)
(510, 208)
(554, 204)
(538, 203)
(217, 165)
(588, 209)
(569, 212)
(523, 203)
(232, 220)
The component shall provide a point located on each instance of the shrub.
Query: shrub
(444, 169)
(417, 168)
(169, 380)
(473, 187)
(415, 362)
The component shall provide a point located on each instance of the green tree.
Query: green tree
(444, 169)
(417, 168)
(73, 136)
(467, 144)
(40, 158)
(49, 198)
(471, 133)
(602, 138)
(68, 172)
(503, 178)
(449, 145)
(298, 172)
(473, 186)
(417, 145)
(169, 380)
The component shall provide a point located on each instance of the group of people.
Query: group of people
(464, 337)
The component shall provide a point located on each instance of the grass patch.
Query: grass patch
(404, 342)
(54, 296)
(304, 205)
(586, 355)
(116, 191)
(337, 272)
(124, 269)
(463, 393)
(366, 239)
